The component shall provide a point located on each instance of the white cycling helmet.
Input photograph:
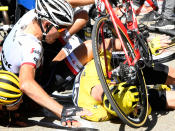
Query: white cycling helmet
(57, 12)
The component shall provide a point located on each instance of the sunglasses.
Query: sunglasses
(61, 28)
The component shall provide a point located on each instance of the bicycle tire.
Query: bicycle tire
(165, 59)
(142, 117)
(170, 32)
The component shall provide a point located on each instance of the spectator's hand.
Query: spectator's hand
(68, 112)
(158, 44)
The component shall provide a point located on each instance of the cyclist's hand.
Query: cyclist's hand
(157, 44)
(100, 6)
(69, 121)
(68, 112)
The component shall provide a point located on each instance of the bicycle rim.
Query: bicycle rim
(140, 118)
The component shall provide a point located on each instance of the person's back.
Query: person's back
(19, 41)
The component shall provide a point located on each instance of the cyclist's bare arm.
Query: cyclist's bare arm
(81, 18)
(159, 42)
(76, 3)
(82, 52)
(32, 89)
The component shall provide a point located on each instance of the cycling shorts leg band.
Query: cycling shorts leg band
(156, 75)
(157, 99)
(73, 63)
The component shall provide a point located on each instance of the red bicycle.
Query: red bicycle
(136, 52)
(150, 2)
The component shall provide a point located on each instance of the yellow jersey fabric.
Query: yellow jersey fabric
(88, 79)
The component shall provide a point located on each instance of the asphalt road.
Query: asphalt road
(157, 121)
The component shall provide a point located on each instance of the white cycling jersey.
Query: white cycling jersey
(21, 48)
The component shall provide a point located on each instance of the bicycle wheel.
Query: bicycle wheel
(103, 28)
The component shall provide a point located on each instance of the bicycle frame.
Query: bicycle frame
(132, 25)
(150, 2)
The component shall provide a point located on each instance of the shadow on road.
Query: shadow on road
(153, 119)
(148, 126)
(44, 118)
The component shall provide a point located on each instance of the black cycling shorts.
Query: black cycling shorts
(156, 75)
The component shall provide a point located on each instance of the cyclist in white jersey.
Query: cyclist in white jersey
(23, 50)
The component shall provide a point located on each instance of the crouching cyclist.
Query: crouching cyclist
(23, 49)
